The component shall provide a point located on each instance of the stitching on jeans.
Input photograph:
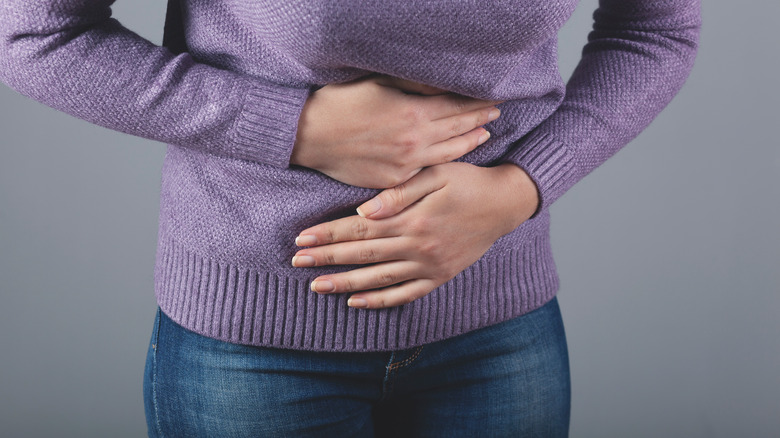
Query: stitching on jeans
(154, 374)
(387, 384)
(407, 361)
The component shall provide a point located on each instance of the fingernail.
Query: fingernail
(322, 286)
(493, 114)
(303, 261)
(484, 137)
(307, 240)
(359, 303)
(369, 208)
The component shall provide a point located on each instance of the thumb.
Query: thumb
(394, 200)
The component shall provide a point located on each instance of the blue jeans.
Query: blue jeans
(506, 380)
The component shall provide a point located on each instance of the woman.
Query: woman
(431, 312)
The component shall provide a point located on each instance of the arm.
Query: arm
(72, 56)
(638, 57)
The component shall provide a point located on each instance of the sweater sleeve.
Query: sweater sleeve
(636, 59)
(72, 56)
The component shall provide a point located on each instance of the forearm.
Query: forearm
(71, 55)
(637, 58)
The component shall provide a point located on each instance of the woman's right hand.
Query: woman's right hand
(373, 133)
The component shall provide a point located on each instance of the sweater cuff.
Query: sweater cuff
(548, 162)
(266, 128)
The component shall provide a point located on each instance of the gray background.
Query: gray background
(668, 256)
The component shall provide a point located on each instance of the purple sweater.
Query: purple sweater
(231, 204)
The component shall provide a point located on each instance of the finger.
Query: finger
(343, 230)
(392, 296)
(392, 201)
(454, 148)
(448, 105)
(359, 252)
(364, 279)
(459, 124)
(408, 86)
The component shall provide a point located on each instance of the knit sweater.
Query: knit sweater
(227, 107)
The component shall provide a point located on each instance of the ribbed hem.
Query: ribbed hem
(548, 162)
(266, 129)
(245, 306)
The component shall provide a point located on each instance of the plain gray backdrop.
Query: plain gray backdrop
(668, 256)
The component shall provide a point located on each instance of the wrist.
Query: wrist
(299, 154)
(521, 193)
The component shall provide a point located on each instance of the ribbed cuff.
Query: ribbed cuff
(266, 128)
(548, 162)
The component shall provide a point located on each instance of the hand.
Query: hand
(373, 133)
(418, 235)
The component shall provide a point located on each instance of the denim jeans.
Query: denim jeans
(506, 380)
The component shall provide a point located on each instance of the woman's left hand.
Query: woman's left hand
(418, 235)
